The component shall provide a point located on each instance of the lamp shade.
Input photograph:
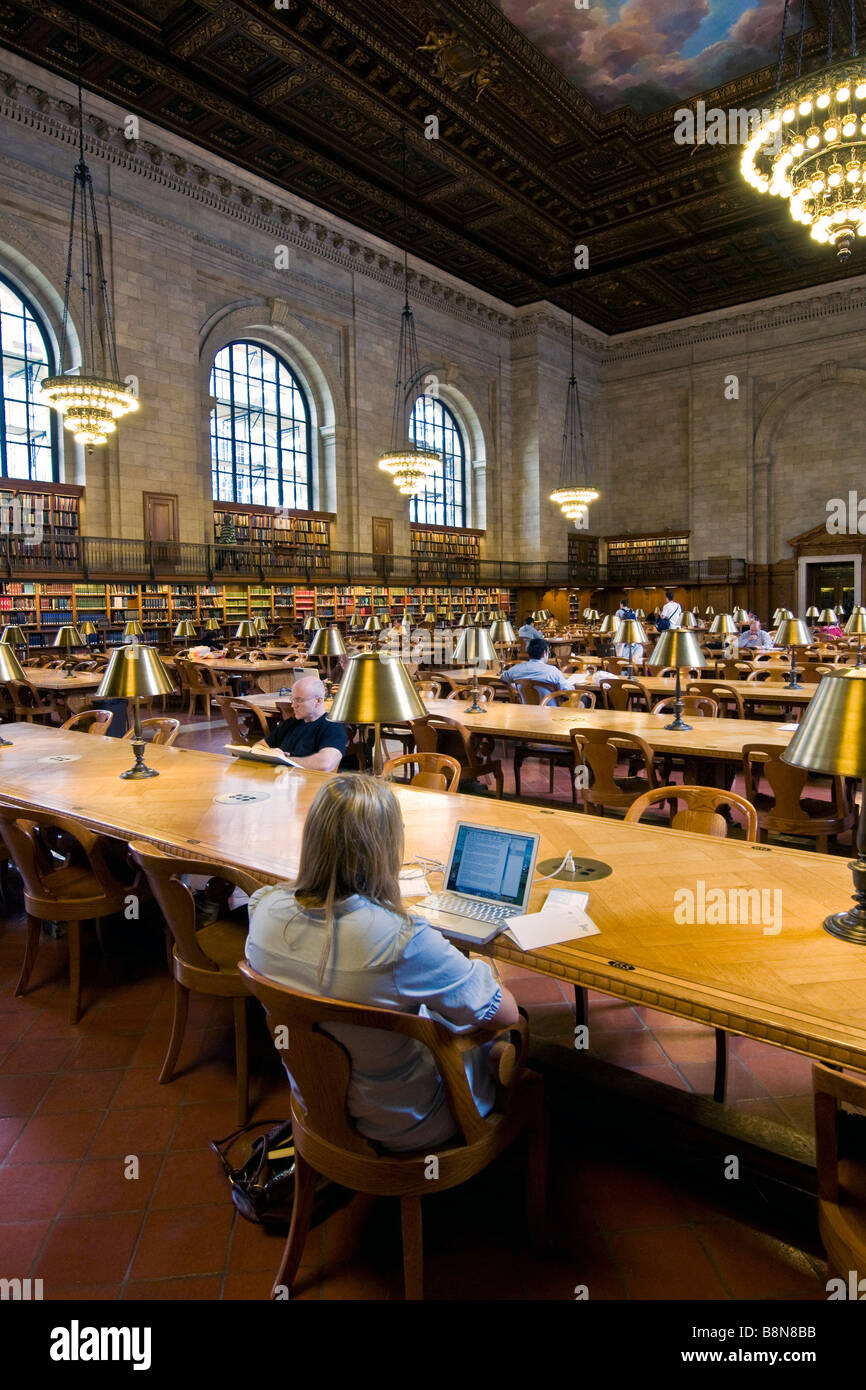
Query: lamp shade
(260, 623)
(429, 616)
(831, 736)
(328, 641)
(856, 624)
(782, 615)
(793, 632)
(474, 645)
(740, 615)
(376, 689)
(827, 617)
(592, 615)
(312, 624)
(246, 630)
(639, 614)
(135, 670)
(14, 636)
(185, 628)
(464, 620)
(133, 629)
(87, 629)
(689, 622)
(709, 612)
(630, 633)
(677, 647)
(723, 623)
(212, 625)
(68, 637)
(608, 625)
(696, 611)
(10, 666)
(502, 631)
(812, 612)
(373, 624)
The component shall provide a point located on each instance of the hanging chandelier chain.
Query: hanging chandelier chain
(831, 14)
(802, 37)
(853, 29)
(782, 44)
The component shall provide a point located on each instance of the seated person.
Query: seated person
(529, 632)
(310, 739)
(344, 933)
(755, 639)
(832, 630)
(537, 667)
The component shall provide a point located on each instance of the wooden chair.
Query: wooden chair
(437, 734)
(465, 692)
(328, 1143)
(574, 699)
(195, 684)
(89, 721)
(436, 771)
(773, 674)
(162, 729)
(74, 886)
(702, 818)
(696, 706)
(29, 704)
(787, 811)
(841, 1166)
(623, 695)
(429, 690)
(204, 958)
(727, 697)
(600, 750)
(7, 704)
(247, 723)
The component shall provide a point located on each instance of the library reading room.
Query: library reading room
(430, 541)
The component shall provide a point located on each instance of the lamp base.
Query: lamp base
(139, 770)
(679, 726)
(793, 684)
(475, 708)
(848, 926)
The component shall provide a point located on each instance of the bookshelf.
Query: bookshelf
(441, 551)
(582, 553)
(41, 520)
(661, 556)
(304, 537)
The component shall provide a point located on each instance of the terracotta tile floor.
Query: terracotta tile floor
(77, 1102)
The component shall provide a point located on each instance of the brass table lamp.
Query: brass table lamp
(376, 690)
(630, 633)
(639, 614)
(328, 641)
(312, 623)
(211, 625)
(831, 738)
(67, 638)
(740, 616)
(88, 630)
(373, 624)
(812, 612)
(10, 670)
(502, 632)
(592, 615)
(723, 624)
(185, 629)
(608, 625)
(679, 649)
(430, 618)
(132, 673)
(689, 622)
(474, 646)
(827, 617)
(246, 631)
(14, 636)
(793, 633)
(709, 612)
(464, 620)
(855, 627)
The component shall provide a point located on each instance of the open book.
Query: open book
(261, 755)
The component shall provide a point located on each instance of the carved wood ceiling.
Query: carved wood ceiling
(313, 95)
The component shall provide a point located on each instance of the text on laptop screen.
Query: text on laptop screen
(491, 864)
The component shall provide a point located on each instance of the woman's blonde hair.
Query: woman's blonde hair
(352, 843)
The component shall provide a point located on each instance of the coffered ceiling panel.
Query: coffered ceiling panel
(553, 129)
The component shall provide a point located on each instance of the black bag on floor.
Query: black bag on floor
(263, 1187)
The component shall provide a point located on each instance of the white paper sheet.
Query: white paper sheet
(787, 728)
(413, 884)
(562, 918)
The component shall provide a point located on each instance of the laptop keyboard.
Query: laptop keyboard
(466, 907)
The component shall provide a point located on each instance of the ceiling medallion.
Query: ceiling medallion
(456, 62)
(812, 150)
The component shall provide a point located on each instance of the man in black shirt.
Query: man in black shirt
(309, 738)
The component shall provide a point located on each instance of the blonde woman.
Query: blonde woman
(342, 932)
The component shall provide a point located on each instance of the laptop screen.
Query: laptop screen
(494, 864)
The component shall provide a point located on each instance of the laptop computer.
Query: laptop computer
(488, 879)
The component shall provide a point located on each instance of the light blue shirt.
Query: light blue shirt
(528, 631)
(761, 640)
(537, 671)
(395, 1094)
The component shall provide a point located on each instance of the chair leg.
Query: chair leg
(31, 948)
(517, 764)
(73, 940)
(552, 770)
(302, 1211)
(581, 1004)
(413, 1247)
(721, 1076)
(178, 1028)
(241, 1057)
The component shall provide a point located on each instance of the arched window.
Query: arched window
(259, 430)
(28, 430)
(442, 503)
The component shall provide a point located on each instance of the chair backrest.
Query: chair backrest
(439, 734)
(25, 696)
(622, 695)
(175, 899)
(601, 750)
(833, 1090)
(247, 724)
(429, 690)
(30, 838)
(321, 1067)
(161, 730)
(89, 721)
(698, 706)
(465, 692)
(578, 699)
(700, 814)
(532, 691)
(197, 677)
(773, 675)
(787, 784)
(725, 696)
(436, 771)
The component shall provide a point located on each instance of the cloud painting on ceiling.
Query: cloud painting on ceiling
(651, 54)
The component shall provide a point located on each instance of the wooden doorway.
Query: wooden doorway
(161, 526)
(383, 546)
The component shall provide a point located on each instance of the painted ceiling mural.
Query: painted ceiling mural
(651, 54)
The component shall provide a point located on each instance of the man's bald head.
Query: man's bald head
(309, 688)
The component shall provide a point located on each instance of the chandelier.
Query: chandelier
(93, 398)
(812, 150)
(574, 493)
(410, 465)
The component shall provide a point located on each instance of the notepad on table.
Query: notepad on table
(787, 728)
